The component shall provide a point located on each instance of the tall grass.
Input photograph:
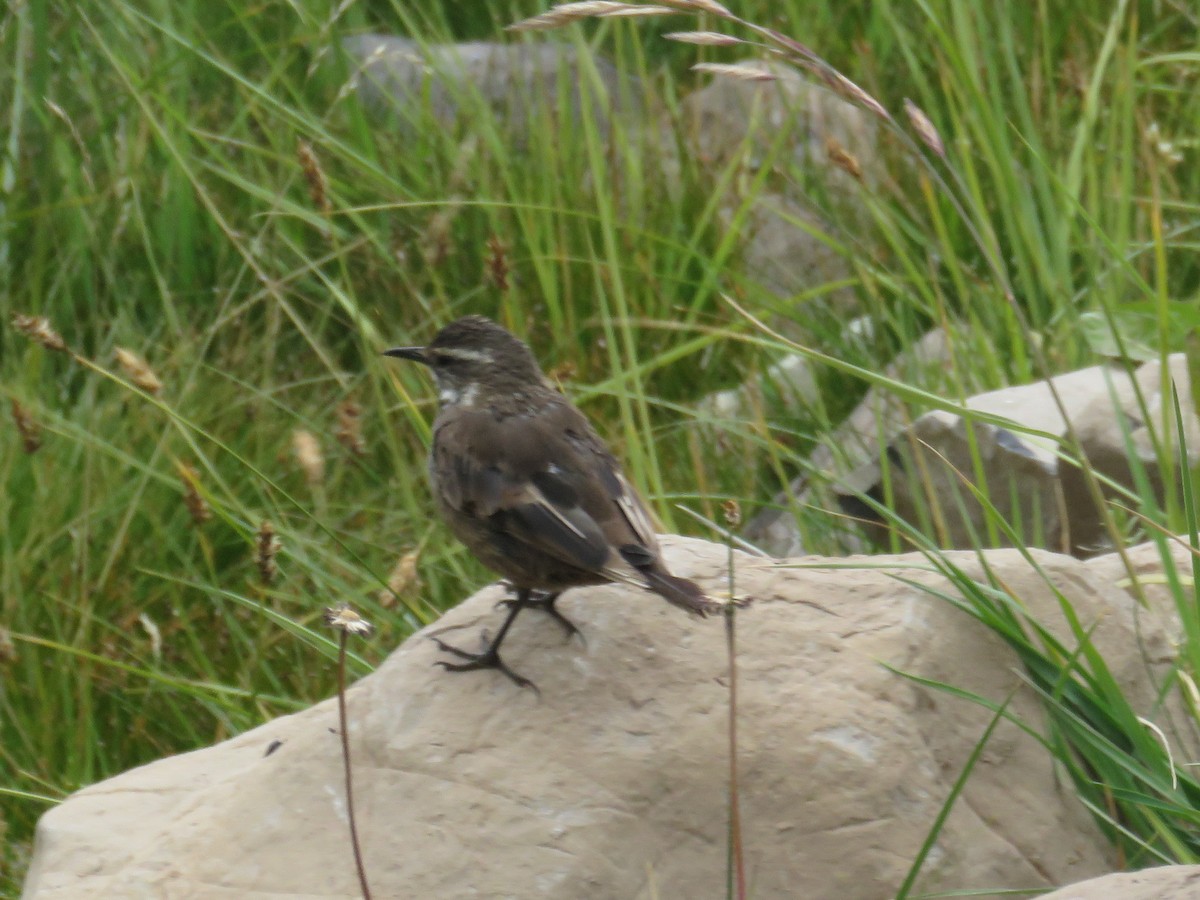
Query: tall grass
(153, 198)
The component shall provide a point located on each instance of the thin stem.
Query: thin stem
(737, 862)
(345, 732)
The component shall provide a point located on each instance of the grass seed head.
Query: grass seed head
(31, 433)
(703, 38)
(566, 13)
(747, 71)
(136, 369)
(708, 6)
(345, 619)
(349, 430)
(924, 128)
(852, 93)
(404, 578)
(497, 267)
(318, 187)
(308, 454)
(267, 546)
(38, 328)
(197, 506)
(843, 158)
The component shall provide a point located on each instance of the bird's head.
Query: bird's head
(473, 358)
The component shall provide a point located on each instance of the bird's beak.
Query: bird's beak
(416, 354)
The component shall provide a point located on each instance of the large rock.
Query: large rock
(878, 418)
(612, 783)
(1166, 883)
(789, 122)
(798, 237)
(515, 82)
(929, 468)
(1121, 430)
(1018, 470)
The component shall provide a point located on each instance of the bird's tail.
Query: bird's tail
(681, 592)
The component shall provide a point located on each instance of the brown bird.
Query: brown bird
(523, 480)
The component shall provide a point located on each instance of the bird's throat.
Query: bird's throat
(461, 395)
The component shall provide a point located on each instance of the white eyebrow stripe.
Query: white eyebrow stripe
(464, 353)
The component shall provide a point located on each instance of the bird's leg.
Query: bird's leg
(489, 656)
(544, 602)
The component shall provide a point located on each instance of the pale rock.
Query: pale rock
(1165, 883)
(612, 783)
(936, 461)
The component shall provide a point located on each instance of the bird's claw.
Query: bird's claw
(487, 658)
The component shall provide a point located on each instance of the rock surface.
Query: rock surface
(1166, 883)
(612, 783)
(1047, 501)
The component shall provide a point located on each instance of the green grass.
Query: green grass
(152, 198)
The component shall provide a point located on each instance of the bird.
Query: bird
(524, 481)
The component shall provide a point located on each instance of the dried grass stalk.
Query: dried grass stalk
(709, 6)
(852, 93)
(792, 46)
(566, 13)
(639, 11)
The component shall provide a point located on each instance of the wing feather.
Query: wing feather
(557, 491)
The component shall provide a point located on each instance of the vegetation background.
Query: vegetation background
(157, 198)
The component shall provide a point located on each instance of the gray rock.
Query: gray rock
(612, 783)
(789, 249)
(790, 123)
(879, 417)
(799, 129)
(930, 458)
(517, 83)
(918, 467)
(1118, 430)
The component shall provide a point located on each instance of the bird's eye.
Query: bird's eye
(445, 359)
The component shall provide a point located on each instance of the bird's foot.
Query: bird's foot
(487, 658)
(545, 602)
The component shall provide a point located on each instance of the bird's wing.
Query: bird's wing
(555, 489)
